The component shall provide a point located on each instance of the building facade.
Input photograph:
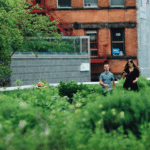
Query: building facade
(111, 25)
(143, 20)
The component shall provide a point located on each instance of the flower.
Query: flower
(66, 97)
(100, 122)
(121, 114)
(86, 112)
(23, 104)
(113, 111)
(22, 124)
(83, 119)
(40, 84)
(46, 132)
(78, 105)
(77, 111)
(9, 137)
(100, 106)
(103, 112)
(71, 106)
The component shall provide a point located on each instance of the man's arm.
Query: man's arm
(113, 80)
(114, 83)
(106, 85)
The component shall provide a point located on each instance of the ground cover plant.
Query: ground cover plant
(44, 118)
(45, 46)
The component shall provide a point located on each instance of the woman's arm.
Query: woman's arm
(136, 79)
(124, 75)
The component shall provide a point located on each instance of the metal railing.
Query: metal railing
(75, 45)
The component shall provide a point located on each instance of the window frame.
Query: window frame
(63, 7)
(119, 42)
(38, 1)
(94, 49)
(92, 6)
(117, 5)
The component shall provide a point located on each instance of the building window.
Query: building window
(38, 1)
(117, 42)
(90, 3)
(117, 2)
(64, 3)
(93, 42)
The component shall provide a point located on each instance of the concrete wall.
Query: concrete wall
(52, 68)
(143, 20)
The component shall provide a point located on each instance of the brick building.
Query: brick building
(111, 25)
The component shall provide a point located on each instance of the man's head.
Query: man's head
(106, 67)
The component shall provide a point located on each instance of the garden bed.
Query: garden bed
(44, 118)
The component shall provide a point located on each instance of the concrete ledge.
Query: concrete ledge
(54, 84)
(49, 56)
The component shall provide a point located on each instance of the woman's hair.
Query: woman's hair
(131, 61)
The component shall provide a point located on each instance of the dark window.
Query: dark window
(64, 3)
(117, 2)
(93, 42)
(38, 1)
(94, 53)
(117, 42)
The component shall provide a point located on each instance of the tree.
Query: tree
(17, 23)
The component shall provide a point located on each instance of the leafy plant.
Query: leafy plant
(42, 119)
(17, 24)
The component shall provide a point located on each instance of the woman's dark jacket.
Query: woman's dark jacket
(130, 77)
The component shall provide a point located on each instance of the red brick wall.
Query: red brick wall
(79, 32)
(86, 16)
(116, 15)
(116, 66)
(103, 3)
(51, 3)
(103, 15)
(130, 15)
(130, 2)
(77, 3)
(131, 41)
(104, 38)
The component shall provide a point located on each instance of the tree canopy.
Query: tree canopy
(17, 24)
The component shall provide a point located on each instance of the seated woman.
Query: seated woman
(131, 73)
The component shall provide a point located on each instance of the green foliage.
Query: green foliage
(16, 25)
(39, 118)
(18, 82)
(45, 46)
(69, 88)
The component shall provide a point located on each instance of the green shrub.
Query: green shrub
(44, 46)
(69, 88)
(42, 119)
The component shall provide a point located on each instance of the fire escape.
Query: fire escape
(65, 27)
